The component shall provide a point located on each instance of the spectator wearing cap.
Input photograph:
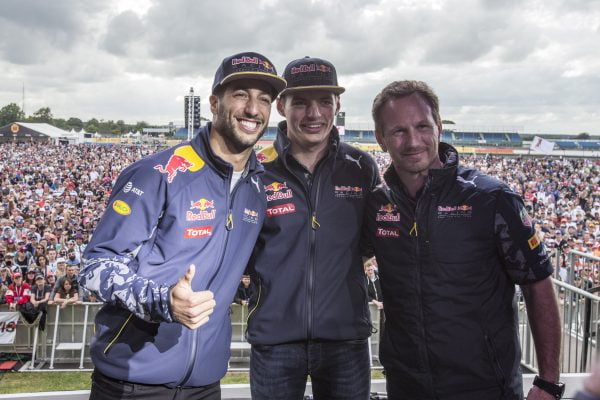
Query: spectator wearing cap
(40, 295)
(72, 258)
(210, 189)
(61, 267)
(18, 292)
(30, 276)
(79, 246)
(321, 184)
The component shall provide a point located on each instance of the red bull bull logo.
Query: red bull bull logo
(267, 155)
(347, 191)
(388, 213)
(183, 159)
(203, 206)
(278, 191)
(250, 216)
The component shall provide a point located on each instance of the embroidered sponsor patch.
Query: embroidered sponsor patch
(387, 232)
(250, 216)
(278, 191)
(281, 209)
(197, 232)
(533, 242)
(460, 211)
(388, 213)
(344, 191)
(525, 218)
(183, 159)
(130, 188)
(205, 210)
(121, 207)
(267, 155)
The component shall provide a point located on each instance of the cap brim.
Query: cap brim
(329, 88)
(276, 82)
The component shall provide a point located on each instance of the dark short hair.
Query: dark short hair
(399, 89)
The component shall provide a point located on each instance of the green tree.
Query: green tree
(60, 123)
(91, 128)
(11, 113)
(140, 125)
(75, 123)
(42, 115)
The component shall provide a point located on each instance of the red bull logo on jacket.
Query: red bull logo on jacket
(203, 206)
(347, 191)
(278, 191)
(250, 216)
(388, 212)
(183, 159)
(267, 155)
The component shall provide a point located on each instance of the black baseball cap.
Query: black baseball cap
(248, 65)
(311, 73)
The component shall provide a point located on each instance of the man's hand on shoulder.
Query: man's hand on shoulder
(190, 308)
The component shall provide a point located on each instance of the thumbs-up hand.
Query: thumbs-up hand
(188, 307)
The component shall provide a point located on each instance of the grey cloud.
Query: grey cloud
(122, 33)
(30, 31)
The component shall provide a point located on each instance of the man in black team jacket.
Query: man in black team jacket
(451, 244)
(311, 315)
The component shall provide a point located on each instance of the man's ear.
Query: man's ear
(214, 104)
(379, 137)
(281, 106)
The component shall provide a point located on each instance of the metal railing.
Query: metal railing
(580, 314)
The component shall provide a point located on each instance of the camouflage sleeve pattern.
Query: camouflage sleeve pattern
(113, 282)
(129, 222)
(524, 255)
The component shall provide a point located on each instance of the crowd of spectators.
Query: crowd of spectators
(51, 197)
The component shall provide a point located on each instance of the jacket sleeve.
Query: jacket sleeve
(129, 221)
(26, 294)
(525, 257)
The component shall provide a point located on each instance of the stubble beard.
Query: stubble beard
(237, 142)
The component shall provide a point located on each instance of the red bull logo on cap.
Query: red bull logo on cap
(203, 206)
(388, 213)
(183, 159)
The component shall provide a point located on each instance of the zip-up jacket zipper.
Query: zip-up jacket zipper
(228, 227)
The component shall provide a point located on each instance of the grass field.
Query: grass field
(23, 382)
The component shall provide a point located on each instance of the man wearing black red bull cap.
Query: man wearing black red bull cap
(173, 244)
(311, 314)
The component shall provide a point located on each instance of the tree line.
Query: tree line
(13, 113)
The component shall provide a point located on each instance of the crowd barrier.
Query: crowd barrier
(64, 344)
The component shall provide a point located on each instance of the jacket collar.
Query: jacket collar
(201, 144)
(437, 177)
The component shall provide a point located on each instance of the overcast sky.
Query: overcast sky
(525, 64)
